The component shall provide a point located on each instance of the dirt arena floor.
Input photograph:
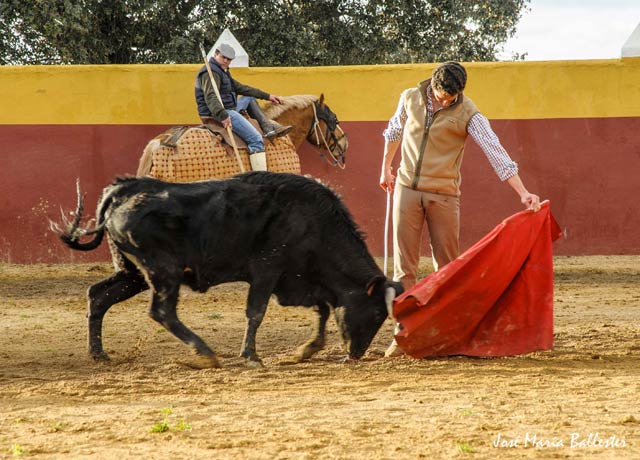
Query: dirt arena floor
(581, 400)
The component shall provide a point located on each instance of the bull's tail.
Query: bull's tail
(72, 231)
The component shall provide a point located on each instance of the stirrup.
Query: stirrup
(283, 130)
(278, 131)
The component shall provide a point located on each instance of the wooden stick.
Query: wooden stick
(215, 88)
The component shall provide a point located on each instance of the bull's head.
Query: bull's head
(363, 313)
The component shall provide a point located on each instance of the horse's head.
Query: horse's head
(314, 121)
(326, 134)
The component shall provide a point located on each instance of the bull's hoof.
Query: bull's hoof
(255, 364)
(297, 358)
(203, 362)
(306, 351)
(348, 360)
(100, 357)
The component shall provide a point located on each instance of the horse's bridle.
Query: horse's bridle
(333, 144)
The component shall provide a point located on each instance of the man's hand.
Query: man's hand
(275, 99)
(531, 201)
(387, 179)
(226, 122)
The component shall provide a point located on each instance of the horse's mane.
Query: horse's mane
(300, 101)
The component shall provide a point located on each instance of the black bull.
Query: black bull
(283, 234)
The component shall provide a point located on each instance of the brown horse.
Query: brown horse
(312, 120)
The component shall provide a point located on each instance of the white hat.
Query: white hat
(226, 50)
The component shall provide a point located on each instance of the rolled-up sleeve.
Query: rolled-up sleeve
(396, 123)
(480, 130)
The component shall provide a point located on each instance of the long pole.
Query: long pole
(215, 88)
(386, 232)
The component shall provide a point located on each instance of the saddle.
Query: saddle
(217, 128)
(205, 152)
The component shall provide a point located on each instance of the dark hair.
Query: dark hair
(449, 77)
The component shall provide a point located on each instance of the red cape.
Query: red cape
(496, 299)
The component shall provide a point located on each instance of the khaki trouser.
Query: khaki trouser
(411, 209)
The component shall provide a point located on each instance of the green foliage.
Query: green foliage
(17, 450)
(160, 427)
(274, 32)
(181, 425)
(163, 426)
(465, 447)
(96, 31)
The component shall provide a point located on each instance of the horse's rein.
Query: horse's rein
(315, 128)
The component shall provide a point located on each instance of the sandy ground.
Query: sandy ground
(581, 400)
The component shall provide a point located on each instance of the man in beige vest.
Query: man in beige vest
(431, 124)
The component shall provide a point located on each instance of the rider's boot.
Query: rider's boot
(258, 161)
(270, 128)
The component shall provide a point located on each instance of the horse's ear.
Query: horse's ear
(321, 100)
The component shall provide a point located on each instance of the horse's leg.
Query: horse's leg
(317, 340)
(117, 288)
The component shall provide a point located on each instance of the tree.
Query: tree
(274, 32)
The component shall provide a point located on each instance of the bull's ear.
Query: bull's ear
(375, 283)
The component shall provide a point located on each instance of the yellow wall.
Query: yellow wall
(163, 94)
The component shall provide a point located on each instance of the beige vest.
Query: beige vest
(432, 155)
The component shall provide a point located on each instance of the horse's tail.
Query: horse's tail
(146, 160)
(72, 232)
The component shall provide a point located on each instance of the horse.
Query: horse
(312, 120)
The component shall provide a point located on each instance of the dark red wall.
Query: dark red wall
(586, 167)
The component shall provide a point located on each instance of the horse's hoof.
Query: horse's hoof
(203, 362)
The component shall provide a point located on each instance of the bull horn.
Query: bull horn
(389, 295)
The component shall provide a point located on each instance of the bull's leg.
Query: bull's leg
(259, 293)
(117, 288)
(317, 340)
(163, 310)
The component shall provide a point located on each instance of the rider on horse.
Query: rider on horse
(212, 110)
